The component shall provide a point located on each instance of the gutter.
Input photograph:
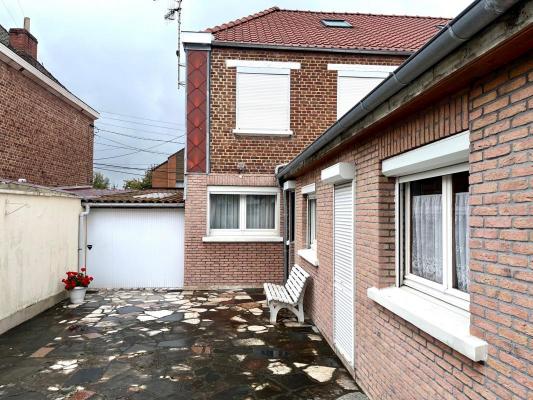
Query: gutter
(135, 205)
(82, 237)
(245, 45)
(462, 28)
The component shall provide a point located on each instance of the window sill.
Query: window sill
(259, 132)
(242, 239)
(444, 322)
(309, 255)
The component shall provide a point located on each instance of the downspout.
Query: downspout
(286, 230)
(82, 237)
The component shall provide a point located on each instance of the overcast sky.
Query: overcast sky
(119, 57)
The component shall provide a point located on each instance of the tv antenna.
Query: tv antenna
(174, 14)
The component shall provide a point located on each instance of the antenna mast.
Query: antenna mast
(174, 14)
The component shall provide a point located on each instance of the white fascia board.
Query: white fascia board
(289, 185)
(450, 151)
(362, 70)
(308, 189)
(262, 64)
(340, 172)
(197, 37)
(446, 323)
(17, 62)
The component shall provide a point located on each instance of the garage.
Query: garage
(136, 240)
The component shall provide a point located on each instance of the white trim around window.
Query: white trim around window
(262, 64)
(362, 70)
(241, 233)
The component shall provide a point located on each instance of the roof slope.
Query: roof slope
(293, 28)
(147, 196)
(4, 39)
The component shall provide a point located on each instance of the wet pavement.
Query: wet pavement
(157, 344)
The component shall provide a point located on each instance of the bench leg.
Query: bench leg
(274, 309)
(300, 312)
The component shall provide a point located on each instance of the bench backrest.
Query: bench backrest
(297, 282)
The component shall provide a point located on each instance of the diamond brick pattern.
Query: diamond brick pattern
(197, 64)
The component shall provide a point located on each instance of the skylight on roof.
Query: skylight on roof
(336, 23)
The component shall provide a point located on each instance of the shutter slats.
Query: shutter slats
(350, 90)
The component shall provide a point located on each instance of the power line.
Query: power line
(138, 150)
(137, 137)
(140, 123)
(9, 12)
(122, 167)
(21, 9)
(133, 147)
(120, 172)
(140, 130)
(141, 118)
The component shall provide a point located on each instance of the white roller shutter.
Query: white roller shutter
(263, 99)
(135, 247)
(351, 89)
(343, 283)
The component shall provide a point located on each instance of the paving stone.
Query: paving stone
(353, 396)
(103, 346)
(81, 395)
(42, 352)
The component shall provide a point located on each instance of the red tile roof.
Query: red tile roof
(294, 28)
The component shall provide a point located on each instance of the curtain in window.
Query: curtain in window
(224, 211)
(426, 228)
(462, 234)
(260, 212)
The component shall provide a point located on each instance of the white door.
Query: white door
(135, 247)
(343, 282)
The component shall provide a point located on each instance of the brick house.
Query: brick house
(46, 132)
(169, 174)
(421, 198)
(259, 90)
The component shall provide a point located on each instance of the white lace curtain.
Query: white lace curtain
(426, 228)
(224, 213)
(260, 212)
(462, 235)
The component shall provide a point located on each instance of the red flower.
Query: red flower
(83, 269)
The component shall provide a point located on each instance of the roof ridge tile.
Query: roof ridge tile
(361, 13)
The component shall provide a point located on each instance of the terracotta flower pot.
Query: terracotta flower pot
(77, 295)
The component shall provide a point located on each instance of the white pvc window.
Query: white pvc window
(263, 101)
(434, 234)
(235, 211)
(311, 221)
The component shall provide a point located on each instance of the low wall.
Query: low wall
(38, 244)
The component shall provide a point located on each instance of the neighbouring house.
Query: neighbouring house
(260, 89)
(169, 174)
(46, 131)
(413, 215)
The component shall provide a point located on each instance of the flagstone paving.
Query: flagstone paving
(157, 344)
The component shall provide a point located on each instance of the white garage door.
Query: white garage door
(135, 247)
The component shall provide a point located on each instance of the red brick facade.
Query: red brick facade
(394, 359)
(313, 109)
(42, 138)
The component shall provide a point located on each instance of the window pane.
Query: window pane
(224, 213)
(426, 229)
(461, 230)
(260, 212)
(311, 221)
(292, 200)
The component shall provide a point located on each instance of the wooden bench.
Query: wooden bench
(290, 296)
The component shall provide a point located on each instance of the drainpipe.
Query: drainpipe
(82, 237)
(286, 230)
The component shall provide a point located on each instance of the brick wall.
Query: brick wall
(313, 107)
(394, 359)
(226, 264)
(42, 138)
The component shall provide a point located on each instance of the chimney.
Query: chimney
(22, 40)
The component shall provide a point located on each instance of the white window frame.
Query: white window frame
(310, 243)
(242, 231)
(262, 67)
(444, 291)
